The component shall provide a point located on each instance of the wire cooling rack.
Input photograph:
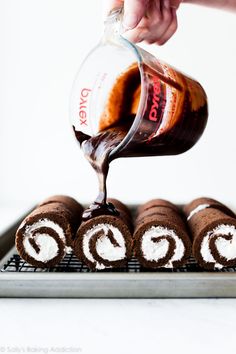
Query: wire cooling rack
(70, 263)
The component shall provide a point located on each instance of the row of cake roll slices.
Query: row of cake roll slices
(160, 235)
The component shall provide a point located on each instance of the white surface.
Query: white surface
(120, 326)
(42, 46)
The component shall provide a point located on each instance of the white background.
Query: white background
(42, 45)
(118, 326)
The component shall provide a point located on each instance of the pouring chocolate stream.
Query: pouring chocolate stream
(172, 117)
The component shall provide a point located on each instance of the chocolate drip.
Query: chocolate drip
(80, 136)
(97, 151)
(97, 209)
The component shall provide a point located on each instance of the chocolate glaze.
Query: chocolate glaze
(80, 136)
(97, 209)
(179, 134)
(97, 151)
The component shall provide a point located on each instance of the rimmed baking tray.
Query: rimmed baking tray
(72, 279)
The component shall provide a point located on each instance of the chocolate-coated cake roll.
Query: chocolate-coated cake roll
(105, 241)
(47, 233)
(213, 230)
(161, 239)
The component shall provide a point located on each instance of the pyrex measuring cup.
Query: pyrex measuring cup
(119, 81)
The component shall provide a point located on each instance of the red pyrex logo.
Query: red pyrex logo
(155, 99)
(83, 105)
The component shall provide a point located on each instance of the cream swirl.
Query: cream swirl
(38, 240)
(104, 244)
(162, 245)
(219, 245)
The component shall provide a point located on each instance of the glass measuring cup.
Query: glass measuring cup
(161, 110)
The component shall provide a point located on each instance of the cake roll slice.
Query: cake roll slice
(213, 229)
(161, 239)
(47, 233)
(105, 241)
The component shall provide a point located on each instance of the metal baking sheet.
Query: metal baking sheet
(72, 279)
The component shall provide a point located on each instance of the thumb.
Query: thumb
(134, 11)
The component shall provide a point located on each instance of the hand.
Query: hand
(151, 21)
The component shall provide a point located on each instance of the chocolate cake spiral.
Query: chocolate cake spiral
(105, 241)
(213, 229)
(46, 234)
(161, 238)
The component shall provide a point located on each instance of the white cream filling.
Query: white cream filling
(104, 247)
(154, 251)
(197, 209)
(225, 248)
(47, 244)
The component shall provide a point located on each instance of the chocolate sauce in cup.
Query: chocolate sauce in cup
(127, 103)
